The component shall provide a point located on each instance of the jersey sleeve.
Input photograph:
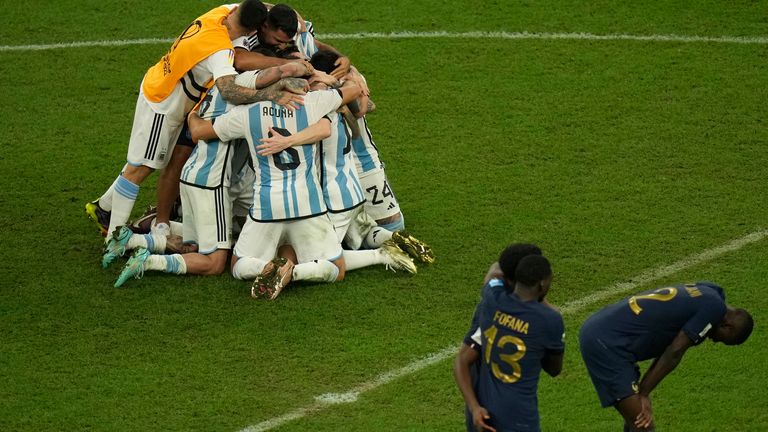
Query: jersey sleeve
(241, 42)
(321, 103)
(556, 339)
(221, 63)
(711, 309)
(247, 79)
(233, 124)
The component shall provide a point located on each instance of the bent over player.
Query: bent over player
(658, 324)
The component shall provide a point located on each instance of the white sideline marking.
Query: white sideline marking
(329, 399)
(760, 40)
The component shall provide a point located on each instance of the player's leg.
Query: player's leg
(255, 247)
(168, 183)
(374, 236)
(317, 248)
(629, 408)
(613, 375)
(153, 137)
(126, 191)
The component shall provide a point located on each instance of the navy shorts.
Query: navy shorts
(185, 137)
(614, 374)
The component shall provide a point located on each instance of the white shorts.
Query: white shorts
(352, 226)
(207, 218)
(380, 200)
(241, 191)
(312, 239)
(153, 135)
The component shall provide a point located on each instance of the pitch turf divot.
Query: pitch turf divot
(329, 399)
(748, 40)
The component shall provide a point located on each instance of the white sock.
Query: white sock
(354, 260)
(177, 228)
(316, 271)
(161, 229)
(376, 237)
(122, 202)
(167, 263)
(155, 243)
(105, 201)
(248, 268)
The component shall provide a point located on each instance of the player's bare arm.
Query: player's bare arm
(464, 359)
(494, 272)
(660, 368)
(349, 92)
(271, 75)
(286, 91)
(276, 142)
(200, 129)
(246, 60)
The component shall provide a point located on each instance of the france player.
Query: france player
(517, 336)
(658, 324)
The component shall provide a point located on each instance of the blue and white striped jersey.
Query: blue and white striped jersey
(341, 185)
(209, 164)
(365, 152)
(287, 184)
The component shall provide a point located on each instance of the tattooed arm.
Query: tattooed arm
(294, 69)
(287, 91)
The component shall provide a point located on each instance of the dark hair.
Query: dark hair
(511, 256)
(744, 323)
(283, 17)
(253, 13)
(324, 60)
(532, 269)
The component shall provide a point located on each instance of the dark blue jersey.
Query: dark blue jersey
(643, 325)
(513, 337)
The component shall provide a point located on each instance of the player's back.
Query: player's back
(516, 335)
(643, 325)
(209, 164)
(287, 183)
(341, 186)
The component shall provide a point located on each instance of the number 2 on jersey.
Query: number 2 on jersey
(510, 359)
(661, 294)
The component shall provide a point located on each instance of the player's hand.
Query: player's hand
(645, 418)
(296, 69)
(292, 101)
(358, 79)
(273, 144)
(342, 67)
(479, 416)
(320, 76)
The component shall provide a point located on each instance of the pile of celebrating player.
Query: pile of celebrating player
(261, 129)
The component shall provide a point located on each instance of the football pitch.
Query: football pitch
(627, 139)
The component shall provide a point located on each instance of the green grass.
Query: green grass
(615, 156)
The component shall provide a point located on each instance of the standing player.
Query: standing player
(516, 338)
(201, 56)
(657, 324)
